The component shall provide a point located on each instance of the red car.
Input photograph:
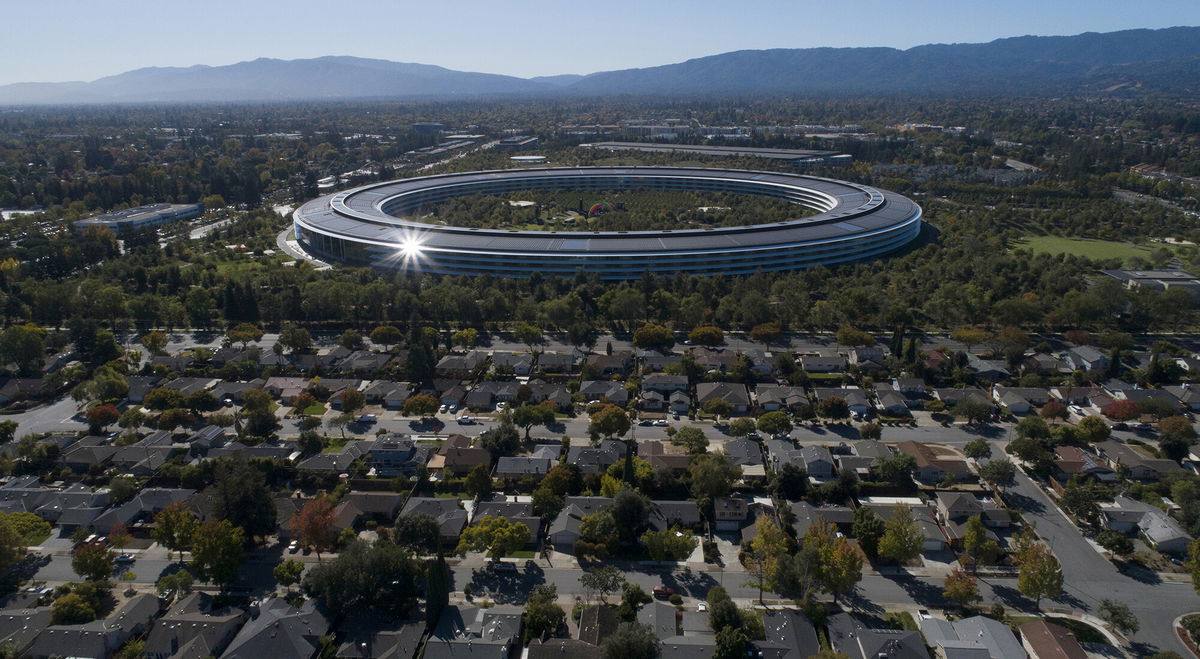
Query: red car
(663, 592)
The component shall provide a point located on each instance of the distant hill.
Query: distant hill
(1166, 60)
(273, 80)
(1017, 65)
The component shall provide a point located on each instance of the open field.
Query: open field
(1092, 249)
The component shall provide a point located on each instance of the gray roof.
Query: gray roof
(974, 636)
(280, 630)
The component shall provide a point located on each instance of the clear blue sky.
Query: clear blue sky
(57, 40)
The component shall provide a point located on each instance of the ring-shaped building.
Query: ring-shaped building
(370, 226)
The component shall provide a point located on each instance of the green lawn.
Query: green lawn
(314, 410)
(523, 553)
(1092, 249)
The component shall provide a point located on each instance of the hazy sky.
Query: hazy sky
(56, 40)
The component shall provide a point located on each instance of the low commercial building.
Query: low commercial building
(141, 218)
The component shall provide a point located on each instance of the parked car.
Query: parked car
(124, 558)
(442, 409)
(293, 547)
(502, 567)
(453, 408)
(1120, 426)
(663, 592)
(645, 422)
(366, 418)
(466, 420)
(661, 422)
(501, 406)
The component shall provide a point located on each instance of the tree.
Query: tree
(418, 532)
(741, 427)
(975, 539)
(93, 562)
(1193, 563)
(973, 410)
(1118, 615)
(791, 481)
(365, 576)
(528, 333)
(651, 336)
(528, 416)
(799, 572)
(1033, 427)
(977, 449)
(999, 472)
(1040, 574)
(1115, 542)
(543, 615)
(288, 573)
(717, 407)
(352, 401)
(775, 423)
(479, 481)
(1054, 410)
(970, 336)
(71, 609)
(609, 421)
(901, 540)
(23, 345)
(313, 525)
(8, 430)
(763, 555)
(1092, 429)
(833, 407)
(670, 544)
(119, 536)
(465, 337)
(766, 333)
(706, 335)
(630, 640)
(177, 583)
(497, 536)
(154, 342)
(1176, 436)
(295, 338)
(870, 430)
(102, 416)
(244, 333)
(437, 590)
(421, 405)
(630, 511)
(602, 580)
(1122, 410)
(731, 644)
(598, 535)
(962, 588)
(174, 527)
(243, 498)
(546, 503)
(868, 529)
(841, 568)
(386, 336)
(691, 438)
(217, 552)
(712, 475)
(849, 336)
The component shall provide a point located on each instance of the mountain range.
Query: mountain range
(1166, 60)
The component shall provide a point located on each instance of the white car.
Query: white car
(501, 406)
(453, 408)
(661, 422)
(442, 409)
(366, 418)
(466, 420)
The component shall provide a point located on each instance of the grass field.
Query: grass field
(1092, 249)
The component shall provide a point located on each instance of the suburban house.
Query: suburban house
(679, 402)
(519, 512)
(557, 363)
(1046, 640)
(449, 513)
(564, 530)
(1188, 394)
(604, 390)
(596, 459)
(280, 630)
(819, 364)
(485, 395)
(1020, 400)
(733, 393)
(667, 514)
(890, 402)
(1163, 533)
(789, 635)
(860, 637)
(773, 397)
(932, 537)
(519, 364)
(873, 358)
(618, 363)
(99, 638)
(192, 628)
(909, 387)
(652, 401)
(387, 393)
(952, 396)
(856, 399)
(358, 507)
(456, 365)
(285, 388)
(1124, 514)
(665, 384)
(805, 515)
(931, 468)
(730, 513)
(514, 468)
(1085, 358)
(955, 509)
(714, 359)
(976, 636)
(654, 361)
(1073, 461)
(476, 632)
(1141, 467)
(544, 392)
(818, 462)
